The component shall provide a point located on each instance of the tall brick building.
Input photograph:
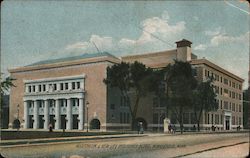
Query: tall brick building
(70, 93)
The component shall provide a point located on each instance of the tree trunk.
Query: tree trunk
(181, 119)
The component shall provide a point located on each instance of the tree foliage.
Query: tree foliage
(204, 99)
(127, 77)
(180, 85)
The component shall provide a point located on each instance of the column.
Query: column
(69, 115)
(46, 114)
(35, 116)
(82, 84)
(57, 115)
(80, 115)
(26, 115)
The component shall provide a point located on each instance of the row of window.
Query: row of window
(53, 87)
(215, 119)
(51, 103)
(236, 120)
(230, 106)
(225, 92)
(223, 80)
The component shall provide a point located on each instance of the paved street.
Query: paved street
(152, 145)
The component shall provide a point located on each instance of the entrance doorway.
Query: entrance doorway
(52, 120)
(41, 121)
(31, 121)
(75, 121)
(95, 124)
(63, 121)
(227, 122)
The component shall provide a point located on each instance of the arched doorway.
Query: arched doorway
(95, 124)
(137, 121)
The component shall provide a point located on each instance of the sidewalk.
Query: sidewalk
(18, 142)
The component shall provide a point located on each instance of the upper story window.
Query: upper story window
(29, 88)
(225, 81)
(40, 88)
(44, 87)
(78, 85)
(61, 86)
(55, 87)
(73, 85)
(66, 86)
(34, 88)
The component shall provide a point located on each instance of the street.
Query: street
(151, 145)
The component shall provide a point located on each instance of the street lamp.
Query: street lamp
(87, 106)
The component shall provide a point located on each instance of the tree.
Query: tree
(204, 98)
(5, 86)
(129, 77)
(180, 85)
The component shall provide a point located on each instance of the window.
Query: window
(78, 85)
(40, 88)
(207, 118)
(239, 87)
(233, 106)
(221, 104)
(225, 105)
(61, 86)
(66, 86)
(29, 88)
(233, 95)
(55, 87)
(239, 108)
(194, 72)
(34, 88)
(44, 87)
(233, 85)
(239, 96)
(236, 107)
(206, 73)
(233, 120)
(221, 119)
(240, 121)
(216, 119)
(73, 85)
(112, 106)
(212, 118)
(220, 91)
(221, 79)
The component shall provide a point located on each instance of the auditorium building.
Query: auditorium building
(69, 93)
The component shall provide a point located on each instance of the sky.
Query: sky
(32, 31)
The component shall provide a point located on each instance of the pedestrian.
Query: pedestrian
(138, 127)
(194, 128)
(173, 128)
(169, 128)
(50, 127)
(141, 128)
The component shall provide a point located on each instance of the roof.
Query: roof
(218, 68)
(84, 56)
(69, 61)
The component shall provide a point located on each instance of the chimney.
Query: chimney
(184, 51)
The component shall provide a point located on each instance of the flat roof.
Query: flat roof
(218, 68)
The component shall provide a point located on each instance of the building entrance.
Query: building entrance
(41, 121)
(52, 120)
(75, 121)
(31, 121)
(227, 122)
(63, 121)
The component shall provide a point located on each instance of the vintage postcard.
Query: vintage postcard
(140, 79)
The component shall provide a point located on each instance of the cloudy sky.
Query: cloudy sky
(33, 31)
